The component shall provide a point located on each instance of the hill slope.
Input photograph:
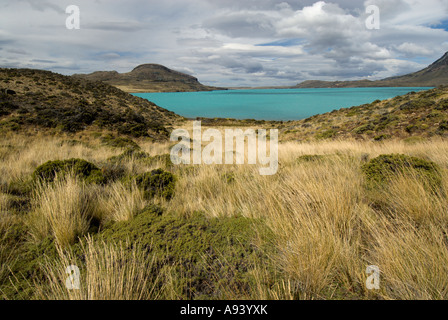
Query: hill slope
(432, 76)
(46, 100)
(148, 78)
(423, 114)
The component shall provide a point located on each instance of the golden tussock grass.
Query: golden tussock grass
(62, 209)
(112, 272)
(328, 227)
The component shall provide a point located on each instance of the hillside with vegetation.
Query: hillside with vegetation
(149, 78)
(356, 187)
(413, 116)
(434, 75)
(42, 100)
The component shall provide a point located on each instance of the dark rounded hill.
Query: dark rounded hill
(149, 78)
(158, 72)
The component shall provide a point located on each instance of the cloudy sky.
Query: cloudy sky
(227, 42)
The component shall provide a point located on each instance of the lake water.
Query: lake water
(269, 104)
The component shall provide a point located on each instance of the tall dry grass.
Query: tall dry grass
(327, 226)
(118, 202)
(7, 221)
(62, 209)
(110, 271)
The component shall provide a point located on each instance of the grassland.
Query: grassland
(308, 232)
(83, 192)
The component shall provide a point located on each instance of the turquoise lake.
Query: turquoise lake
(269, 104)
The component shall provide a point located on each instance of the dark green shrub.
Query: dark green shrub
(113, 171)
(79, 167)
(205, 254)
(129, 154)
(411, 128)
(381, 137)
(443, 127)
(134, 129)
(415, 104)
(120, 142)
(7, 107)
(442, 105)
(364, 128)
(157, 183)
(381, 170)
(327, 134)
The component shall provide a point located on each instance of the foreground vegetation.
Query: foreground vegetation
(86, 183)
(140, 228)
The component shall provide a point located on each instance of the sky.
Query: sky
(227, 42)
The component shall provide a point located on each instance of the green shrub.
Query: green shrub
(415, 104)
(442, 105)
(381, 170)
(327, 134)
(364, 128)
(79, 167)
(120, 142)
(27, 268)
(206, 254)
(156, 183)
(443, 127)
(128, 154)
(134, 129)
(381, 137)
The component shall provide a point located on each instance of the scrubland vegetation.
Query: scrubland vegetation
(86, 180)
(139, 227)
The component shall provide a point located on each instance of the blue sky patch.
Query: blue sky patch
(282, 43)
(442, 25)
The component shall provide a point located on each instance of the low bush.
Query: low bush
(382, 169)
(78, 167)
(156, 183)
(207, 255)
(120, 142)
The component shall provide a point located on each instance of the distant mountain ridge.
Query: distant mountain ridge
(432, 76)
(149, 78)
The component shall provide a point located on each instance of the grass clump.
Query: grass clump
(108, 271)
(78, 167)
(63, 210)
